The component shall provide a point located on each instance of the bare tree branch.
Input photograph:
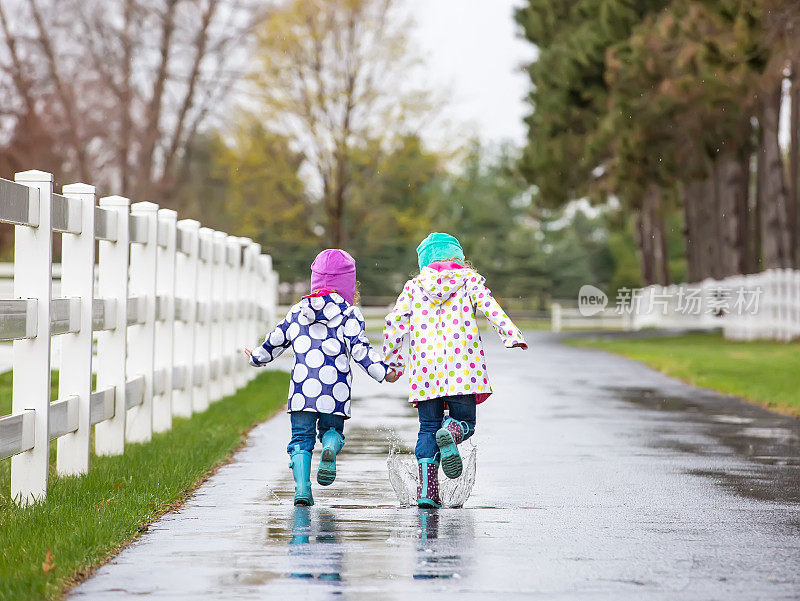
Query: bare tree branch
(200, 44)
(151, 131)
(64, 94)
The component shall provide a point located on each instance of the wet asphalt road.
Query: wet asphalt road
(597, 478)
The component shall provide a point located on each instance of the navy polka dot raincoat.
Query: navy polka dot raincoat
(324, 333)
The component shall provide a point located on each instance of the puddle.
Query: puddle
(764, 448)
(443, 549)
(314, 547)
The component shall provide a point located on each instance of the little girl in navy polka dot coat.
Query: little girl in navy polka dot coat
(325, 330)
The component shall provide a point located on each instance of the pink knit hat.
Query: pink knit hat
(334, 269)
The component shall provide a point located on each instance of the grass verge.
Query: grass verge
(46, 548)
(761, 372)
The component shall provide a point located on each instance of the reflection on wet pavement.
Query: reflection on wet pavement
(315, 552)
(597, 478)
(444, 545)
(717, 426)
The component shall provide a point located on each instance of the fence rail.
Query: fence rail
(169, 303)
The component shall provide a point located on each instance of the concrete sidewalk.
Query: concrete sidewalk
(597, 478)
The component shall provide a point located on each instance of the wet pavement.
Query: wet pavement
(597, 478)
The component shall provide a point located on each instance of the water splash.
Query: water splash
(404, 477)
(272, 493)
(455, 492)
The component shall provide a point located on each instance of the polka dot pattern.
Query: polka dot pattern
(325, 333)
(429, 482)
(437, 313)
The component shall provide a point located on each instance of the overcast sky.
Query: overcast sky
(472, 51)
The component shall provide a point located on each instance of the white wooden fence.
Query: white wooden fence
(762, 306)
(759, 306)
(173, 306)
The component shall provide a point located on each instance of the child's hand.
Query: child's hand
(521, 345)
(248, 352)
(392, 376)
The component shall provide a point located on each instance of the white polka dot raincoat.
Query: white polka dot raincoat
(324, 333)
(436, 311)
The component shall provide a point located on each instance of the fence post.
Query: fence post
(218, 301)
(141, 337)
(165, 291)
(186, 291)
(264, 295)
(33, 264)
(242, 329)
(555, 317)
(109, 435)
(253, 298)
(265, 268)
(274, 281)
(202, 331)
(233, 258)
(786, 301)
(795, 284)
(75, 374)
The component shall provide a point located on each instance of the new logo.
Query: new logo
(591, 300)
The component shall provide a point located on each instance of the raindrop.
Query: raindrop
(272, 493)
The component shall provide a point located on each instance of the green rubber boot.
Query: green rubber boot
(332, 443)
(448, 437)
(301, 470)
(428, 489)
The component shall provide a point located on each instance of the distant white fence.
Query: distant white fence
(760, 306)
(172, 307)
(564, 317)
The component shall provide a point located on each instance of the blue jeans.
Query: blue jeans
(431, 414)
(306, 424)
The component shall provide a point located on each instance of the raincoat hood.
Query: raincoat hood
(326, 308)
(441, 285)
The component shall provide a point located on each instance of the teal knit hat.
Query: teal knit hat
(438, 246)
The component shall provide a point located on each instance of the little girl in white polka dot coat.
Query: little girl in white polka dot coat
(325, 330)
(436, 313)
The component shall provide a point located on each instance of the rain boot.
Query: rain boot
(301, 469)
(448, 437)
(428, 489)
(332, 443)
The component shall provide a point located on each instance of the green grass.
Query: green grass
(764, 373)
(5, 390)
(86, 520)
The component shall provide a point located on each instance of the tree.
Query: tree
(684, 94)
(487, 205)
(394, 197)
(782, 33)
(114, 93)
(246, 181)
(689, 84)
(566, 158)
(677, 115)
(334, 76)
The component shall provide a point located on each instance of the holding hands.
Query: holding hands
(393, 375)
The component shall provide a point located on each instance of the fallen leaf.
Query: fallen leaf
(49, 564)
